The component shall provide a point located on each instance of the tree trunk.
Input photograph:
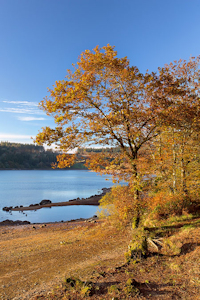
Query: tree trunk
(161, 157)
(174, 176)
(136, 193)
(183, 173)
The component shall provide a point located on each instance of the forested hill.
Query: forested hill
(27, 157)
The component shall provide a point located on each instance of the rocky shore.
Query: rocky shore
(13, 223)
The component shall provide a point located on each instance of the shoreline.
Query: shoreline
(8, 222)
(92, 200)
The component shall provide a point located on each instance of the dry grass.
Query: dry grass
(34, 263)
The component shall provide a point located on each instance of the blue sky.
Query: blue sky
(40, 39)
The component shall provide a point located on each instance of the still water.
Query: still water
(25, 187)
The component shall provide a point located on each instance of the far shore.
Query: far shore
(93, 200)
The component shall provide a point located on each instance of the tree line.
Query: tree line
(29, 156)
(25, 156)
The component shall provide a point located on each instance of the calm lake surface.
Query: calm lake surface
(25, 187)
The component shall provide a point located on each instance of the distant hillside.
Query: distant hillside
(27, 157)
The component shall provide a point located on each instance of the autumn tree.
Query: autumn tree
(175, 152)
(181, 123)
(104, 101)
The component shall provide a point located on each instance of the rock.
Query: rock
(43, 225)
(7, 208)
(26, 222)
(43, 202)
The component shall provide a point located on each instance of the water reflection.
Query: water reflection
(54, 214)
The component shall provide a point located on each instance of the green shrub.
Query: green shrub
(131, 288)
(84, 288)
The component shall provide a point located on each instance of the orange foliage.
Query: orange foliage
(121, 205)
(109, 103)
(64, 161)
(163, 205)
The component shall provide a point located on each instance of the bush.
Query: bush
(78, 286)
(120, 205)
(131, 288)
(164, 205)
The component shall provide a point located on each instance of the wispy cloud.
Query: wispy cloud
(30, 119)
(20, 107)
(27, 103)
(21, 111)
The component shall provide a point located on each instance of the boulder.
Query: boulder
(43, 202)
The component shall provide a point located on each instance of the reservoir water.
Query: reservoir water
(25, 187)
